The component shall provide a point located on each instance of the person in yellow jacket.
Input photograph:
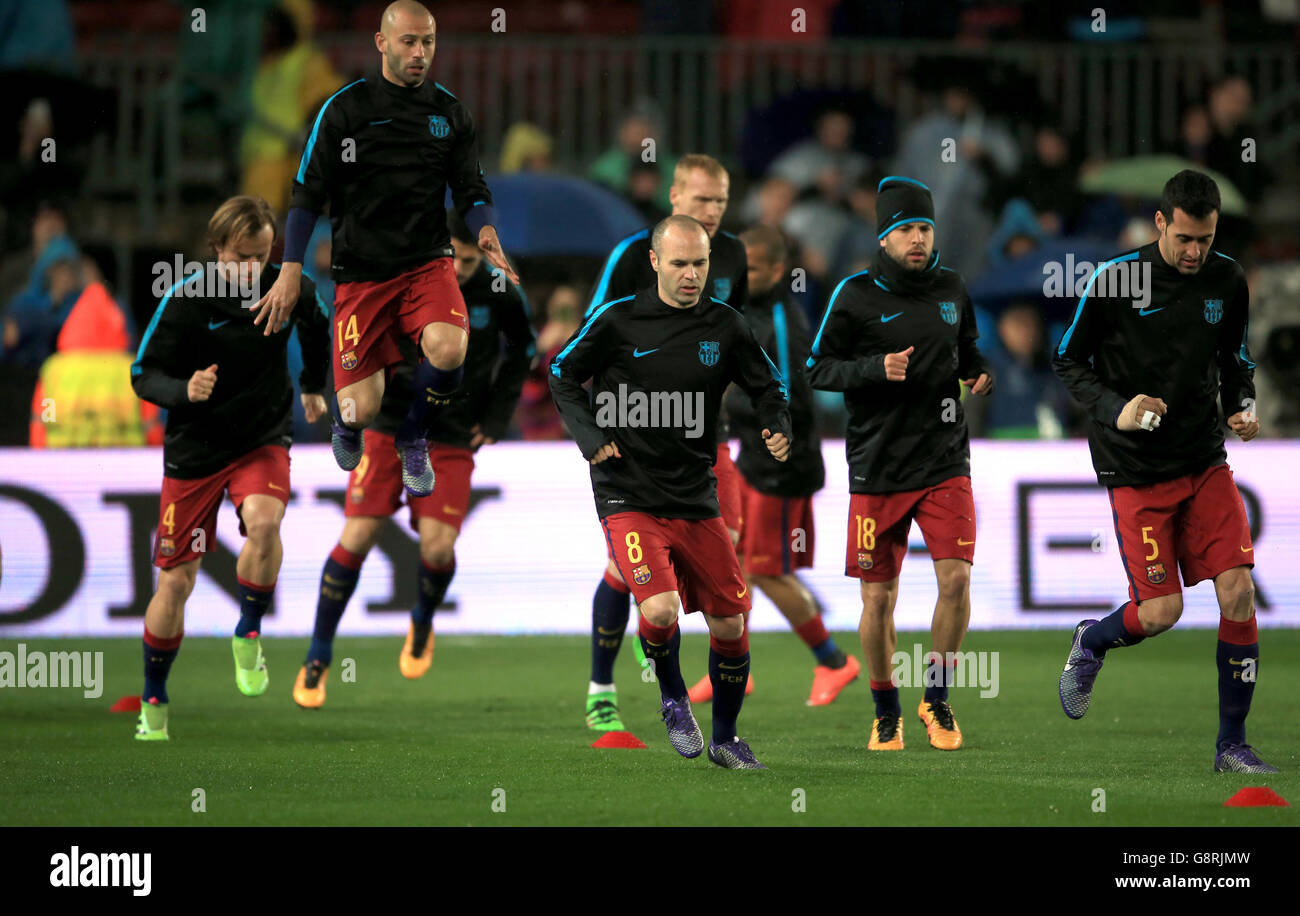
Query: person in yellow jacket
(293, 78)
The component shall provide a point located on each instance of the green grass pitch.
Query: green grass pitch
(506, 713)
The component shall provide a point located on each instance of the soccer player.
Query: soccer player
(778, 531)
(660, 361)
(225, 385)
(1161, 454)
(478, 416)
(896, 339)
(381, 154)
(700, 190)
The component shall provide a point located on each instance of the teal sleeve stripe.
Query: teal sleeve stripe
(782, 342)
(136, 368)
(1222, 255)
(830, 305)
(602, 288)
(776, 374)
(555, 363)
(446, 90)
(1078, 313)
(1242, 353)
(311, 140)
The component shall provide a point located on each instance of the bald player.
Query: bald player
(381, 154)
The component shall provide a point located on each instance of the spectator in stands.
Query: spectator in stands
(293, 78)
(1018, 233)
(84, 396)
(526, 148)
(645, 182)
(1029, 401)
(983, 147)
(536, 415)
(34, 317)
(1048, 180)
(1229, 108)
(826, 161)
(613, 167)
(857, 243)
(1194, 136)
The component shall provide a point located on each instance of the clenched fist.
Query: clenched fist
(1141, 413)
(201, 384)
(896, 365)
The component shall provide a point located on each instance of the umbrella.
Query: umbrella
(544, 214)
(1145, 176)
(1026, 277)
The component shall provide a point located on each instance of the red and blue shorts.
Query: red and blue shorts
(779, 534)
(692, 557)
(879, 524)
(375, 486)
(187, 507)
(369, 316)
(1195, 523)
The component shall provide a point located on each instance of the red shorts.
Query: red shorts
(1195, 523)
(375, 486)
(368, 316)
(879, 524)
(691, 556)
(771, 544)
(188, 506)
(729, 500)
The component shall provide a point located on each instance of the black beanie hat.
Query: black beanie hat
(900, 201)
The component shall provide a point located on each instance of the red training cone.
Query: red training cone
(1257, 797)
(126, 704)
(619, 739)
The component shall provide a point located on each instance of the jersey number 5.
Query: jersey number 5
(1147, 539)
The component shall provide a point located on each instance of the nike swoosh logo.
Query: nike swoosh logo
(451, 510)
(1145, 312)
(896, 215)
(961, 543)
(637, 354)
(730, 667)
(213, 325)
(1246, 549)
(1235, 661)
(332, 581)
(604, 632)
(457, 314)
(275, 487)
(385, 121)
(741, 593)
(887, 318)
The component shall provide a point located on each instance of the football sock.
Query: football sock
(610, 606)
(728, 671)
(434, 582)
(428, 386)
(1117, 629)
(253, 601)
(661, 645)
(337, 582)
(886, 696)
(938, 677)
(813, 633)
(1238, 658)
(159, 653)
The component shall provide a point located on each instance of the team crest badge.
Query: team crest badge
(1213, 310)
(1156, 573)
(949, 311)
(864, 560)
(709, 352)
(641, 575)
(349, 360)
(722, 288)
(479, 316)
(166, 547)
(438, 126)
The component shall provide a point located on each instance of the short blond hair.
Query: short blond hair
(237, 217)
(692, 161)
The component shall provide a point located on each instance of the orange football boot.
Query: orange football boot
(886, 734)
(415, 666)
(309, 688)
(828, 682)
(940, 725)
